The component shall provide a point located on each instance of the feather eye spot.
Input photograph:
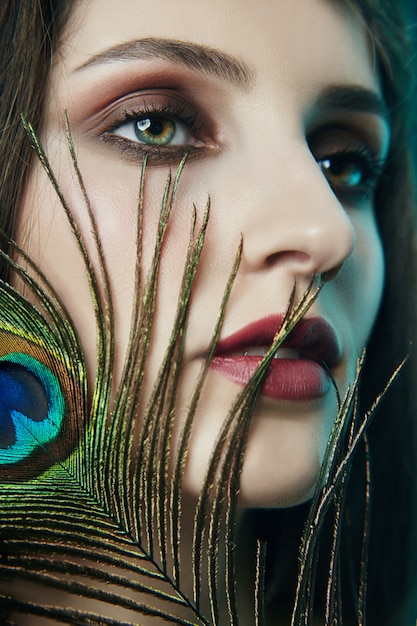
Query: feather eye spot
(31, 407)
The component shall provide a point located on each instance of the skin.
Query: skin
(255, 153)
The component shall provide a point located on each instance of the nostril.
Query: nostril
(331, 274)
(303, 263)
(289, 256)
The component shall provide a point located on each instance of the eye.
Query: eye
(155, 130)
(160, 125)
(351, 159)
(341, 169)
(353, 174)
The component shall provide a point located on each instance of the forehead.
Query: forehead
(274, 38)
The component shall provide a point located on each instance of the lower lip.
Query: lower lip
(287, 379)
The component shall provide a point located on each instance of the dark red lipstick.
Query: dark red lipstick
(299, 371)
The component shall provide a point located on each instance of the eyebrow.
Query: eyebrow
(352, 98)
(204, 59)
(229, 69)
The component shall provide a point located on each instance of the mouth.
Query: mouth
(300, 369)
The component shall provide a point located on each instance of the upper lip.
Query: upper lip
(314, 338)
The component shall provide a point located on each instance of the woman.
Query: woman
(298, 136)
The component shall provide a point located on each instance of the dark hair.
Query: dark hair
(393, 440)
(30, 30)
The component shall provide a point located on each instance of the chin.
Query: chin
(285, 488)
(281, 465)
(275, 483)
(285, 447)
(283, 460)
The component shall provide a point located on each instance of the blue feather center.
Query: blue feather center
(32, 406)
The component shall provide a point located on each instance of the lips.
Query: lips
(299, 370)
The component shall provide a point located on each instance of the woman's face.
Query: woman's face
(278, 105)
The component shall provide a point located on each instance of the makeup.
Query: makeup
(300, 368)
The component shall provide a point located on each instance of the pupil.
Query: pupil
(336, 167)
(156, 127)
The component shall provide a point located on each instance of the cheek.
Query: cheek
(364, 282)
(45, 234)
(371, 270)
(116, 210)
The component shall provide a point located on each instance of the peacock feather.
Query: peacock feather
(91, 502)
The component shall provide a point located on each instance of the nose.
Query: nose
(295, 221)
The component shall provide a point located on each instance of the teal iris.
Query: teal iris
(32, 406)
